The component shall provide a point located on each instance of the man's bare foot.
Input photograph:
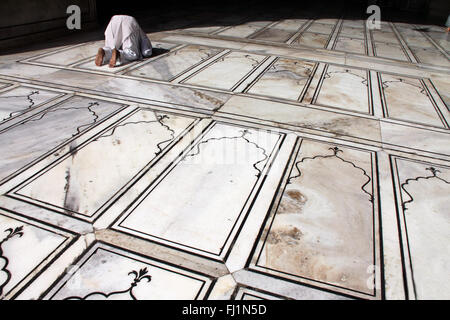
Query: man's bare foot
(114, 57)
(448, 29)
(99, 57)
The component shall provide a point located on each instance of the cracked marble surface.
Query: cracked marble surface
(261, 158)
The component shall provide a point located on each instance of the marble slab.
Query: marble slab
(417, 41)
(110, 273)
(441, 38)
(389, 50)
(381, 36)
(322, 122)
(244, 293)
(408, 99)
(430, 56)
(290, 24)
(48, 129)
(228, 159)
(286, 79)
(273, 34)
(19, 100)
(342, 88)
(422, 199)
(240, 31)
(78, 185)
(352, 32)
(228, 71)
(308, 39)
(71, 55)
(174, 63)
(352, 45)
(25, 248)
(314, 237)
(317, 27)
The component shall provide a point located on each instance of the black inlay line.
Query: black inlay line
(31, 101)
(16, 232)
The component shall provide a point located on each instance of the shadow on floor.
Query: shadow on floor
(170, 15)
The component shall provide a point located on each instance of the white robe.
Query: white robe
(124, 34)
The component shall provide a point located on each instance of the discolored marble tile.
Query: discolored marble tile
(273, 34)
(332, 243)
(285, 79)
(315, 40)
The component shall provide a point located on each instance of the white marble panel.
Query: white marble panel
(273, 34)
(323, 228)
(418, 41)
(425, 223)
(110, 273)
(430, 56)
(408, 99)
(352, 45)
(241, 31)
(72, 55)
(342, 88)
(290, 24)
(352, 32)
(221, 170)
(317, 27)
(315, 40)
(25, 247)
(381, 36)
(227, 71)
(175, 63)
(22, 99)
(286, 79)
(389, 50)
(48, 129)
(82, 186)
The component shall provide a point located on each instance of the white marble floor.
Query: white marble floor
(265, 159)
